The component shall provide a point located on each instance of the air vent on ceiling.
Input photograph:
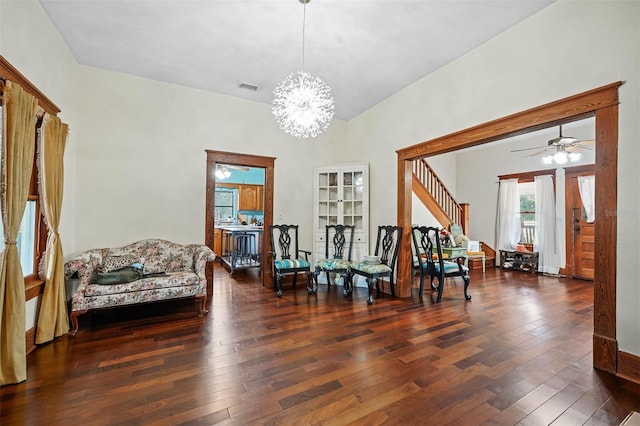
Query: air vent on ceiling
(248, 86)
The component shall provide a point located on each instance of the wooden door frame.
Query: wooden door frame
(602, 103)
(569, 173)
(267, 163)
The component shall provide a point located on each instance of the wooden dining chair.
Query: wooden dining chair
(287, 257)
(387, 243)
(428, 260)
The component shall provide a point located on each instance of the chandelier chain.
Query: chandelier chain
(304, 20)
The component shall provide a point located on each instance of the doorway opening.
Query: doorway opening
(601, 103)
(239, 207)
(580, 230)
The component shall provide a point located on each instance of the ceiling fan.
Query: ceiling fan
(223, 171)
(560, 149)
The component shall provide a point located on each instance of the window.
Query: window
(31, 240)
(225, 204)
(527, 193)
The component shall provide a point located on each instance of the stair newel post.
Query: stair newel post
(464, 217)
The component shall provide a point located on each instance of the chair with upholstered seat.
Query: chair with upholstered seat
(387, 244)
(286, 257)
(338, 248)
(428, 259)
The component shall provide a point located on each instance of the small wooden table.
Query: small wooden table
(477, 255)
(454, 252)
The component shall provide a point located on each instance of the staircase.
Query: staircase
(436, 197)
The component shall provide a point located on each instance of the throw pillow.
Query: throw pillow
(113, 263)
(121, 276)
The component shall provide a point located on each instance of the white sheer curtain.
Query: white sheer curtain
(587, 188)
(545, 243)
(508, 217)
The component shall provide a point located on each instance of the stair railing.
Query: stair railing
(457, 213)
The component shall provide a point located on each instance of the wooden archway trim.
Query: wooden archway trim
(223, 157)
(602, 103)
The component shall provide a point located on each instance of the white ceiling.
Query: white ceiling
(366, 50)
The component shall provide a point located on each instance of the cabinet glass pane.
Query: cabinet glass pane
(347, 193)
(323, 179)
(323, 194)
(357, 208)
(333, 179)
(323, 208)
(333, 208)
(333, 220)
(333, 194)
(358, 222)
(348, 220)
(347, 179)
(347, 207)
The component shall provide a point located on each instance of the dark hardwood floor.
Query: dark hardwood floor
(518, 353)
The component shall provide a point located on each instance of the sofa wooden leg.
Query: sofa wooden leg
(74, 321)
(201, 300)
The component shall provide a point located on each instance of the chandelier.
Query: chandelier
(302, 104)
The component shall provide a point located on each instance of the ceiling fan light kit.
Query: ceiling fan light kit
(302, 104)
(222, 172)
(560, 150)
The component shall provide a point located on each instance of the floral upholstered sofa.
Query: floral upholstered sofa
(155, 270)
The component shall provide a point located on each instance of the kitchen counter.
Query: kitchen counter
(241, 228)
(241, 246)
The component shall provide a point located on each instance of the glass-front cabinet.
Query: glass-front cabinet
(341, 196)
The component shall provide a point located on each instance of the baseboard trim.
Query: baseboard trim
(628, 367)
(31, 340)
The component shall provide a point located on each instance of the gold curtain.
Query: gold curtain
(52, 320)
(17, 165)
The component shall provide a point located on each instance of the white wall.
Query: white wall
(553, 54)
(143, 162)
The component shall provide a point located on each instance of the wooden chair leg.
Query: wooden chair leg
(370, 283)
(311, 289)
(279, 284)
(466, 286)
(440, 287)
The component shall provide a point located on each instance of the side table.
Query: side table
(519, 260)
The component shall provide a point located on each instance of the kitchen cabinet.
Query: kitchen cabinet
(217, 242)
(341, 196)
(251, 197)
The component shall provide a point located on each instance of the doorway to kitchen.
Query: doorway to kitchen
(217, 163)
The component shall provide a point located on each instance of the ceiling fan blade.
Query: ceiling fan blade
(587, 142)
(542, 151)
(528, 149)
(578, 148)
(243, 168)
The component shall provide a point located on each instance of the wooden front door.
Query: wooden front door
(581, 232)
